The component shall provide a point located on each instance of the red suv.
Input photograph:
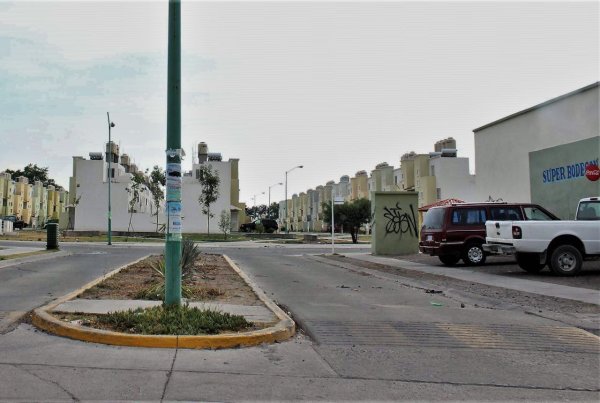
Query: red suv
(457, 231)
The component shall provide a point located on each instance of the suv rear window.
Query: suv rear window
(434, 218)
(505, 213)
(468, 216)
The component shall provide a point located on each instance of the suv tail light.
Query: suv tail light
(516, 232)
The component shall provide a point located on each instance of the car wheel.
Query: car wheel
(449, 260)
(566, 260)
(530, 262)
(474, 254)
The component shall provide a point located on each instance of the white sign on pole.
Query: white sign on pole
(338, 200)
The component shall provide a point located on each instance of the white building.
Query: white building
(89, 195)
(438, 175)
(88, 191)
(397, 180)
(503, 147)
(343, 189)
(192, 218)
(452, 178)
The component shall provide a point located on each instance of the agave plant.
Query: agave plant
(189, 254)
(156, 292)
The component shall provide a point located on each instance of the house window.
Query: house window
(432, 170)
(438, 193)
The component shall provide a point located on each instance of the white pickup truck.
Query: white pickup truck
(562, 245)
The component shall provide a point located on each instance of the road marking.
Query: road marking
(476, 336)
(453, 335)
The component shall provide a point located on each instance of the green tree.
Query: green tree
(155, 184)
(34, 173)
(256, 212)
(273, 211)
(262, 211)
(209, 184)
(137, 181)
(349, 215)
(225, 222)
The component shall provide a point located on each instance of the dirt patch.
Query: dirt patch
(213, 280)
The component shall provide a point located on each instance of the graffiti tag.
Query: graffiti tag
(400, 221)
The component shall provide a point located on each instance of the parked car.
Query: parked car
(269, 225)
(457, 231)
(562, 245)
(17, 224)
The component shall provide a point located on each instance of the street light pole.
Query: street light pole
(174, 153)
(254, 198)
(277, 184)
(109, 178)
(287, 224)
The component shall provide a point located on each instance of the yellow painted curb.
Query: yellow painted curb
(283, 330)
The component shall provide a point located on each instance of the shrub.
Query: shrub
(173, 320)
(156, 292)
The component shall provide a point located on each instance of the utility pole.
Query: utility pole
(174, 153)
(278, 183)
(332, 225)
(109, 178)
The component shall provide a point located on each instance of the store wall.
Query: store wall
(502, 149)
(558, 176)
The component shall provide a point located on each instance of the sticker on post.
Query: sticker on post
(174, 217)
(174, 169)
(173, 194)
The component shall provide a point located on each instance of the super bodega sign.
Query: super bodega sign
(587, 169)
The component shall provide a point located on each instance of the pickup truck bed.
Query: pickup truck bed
(562, 245)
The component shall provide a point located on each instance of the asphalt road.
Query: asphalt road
(589, 277)
(24, 286)
(369, 337)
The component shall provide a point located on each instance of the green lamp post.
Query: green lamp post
(174, 153)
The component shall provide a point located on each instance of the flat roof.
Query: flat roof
(580, 90)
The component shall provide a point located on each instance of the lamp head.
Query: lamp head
(112, 124)
(300, 166)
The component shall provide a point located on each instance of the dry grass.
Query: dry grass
(213, 280)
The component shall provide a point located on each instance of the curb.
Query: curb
(281, 331)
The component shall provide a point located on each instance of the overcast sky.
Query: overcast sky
(337, 86)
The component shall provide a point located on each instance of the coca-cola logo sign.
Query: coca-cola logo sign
(592, 172)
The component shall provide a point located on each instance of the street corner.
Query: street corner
(278, 326)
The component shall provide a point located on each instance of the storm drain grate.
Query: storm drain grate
(447, 335)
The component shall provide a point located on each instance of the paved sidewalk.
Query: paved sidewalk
(536, 287)
(253, 313)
